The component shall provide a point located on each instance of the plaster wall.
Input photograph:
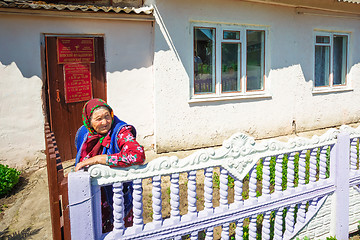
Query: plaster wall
(128, 53)
(182, 124)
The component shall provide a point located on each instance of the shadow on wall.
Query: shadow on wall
(132, 49)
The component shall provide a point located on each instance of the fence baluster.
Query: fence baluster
(118, 212)
(266, 177)
(225, 231)
(301, 214)
(302, 167)
(322, 170)
(208, 190)
(313, 203)
(209, 234)
(252, 227)
(192, 193)
(252, 185)
(238, 185)
(291, 170)
(175, 197)
(223, 188)
(312, 168)
(265, 231)
(290, 221)
(278, 174)
(239, 229)
(156, 201)
(208, 195)
(194, 236)
(138, 205)
(278, 227)
(353, 154)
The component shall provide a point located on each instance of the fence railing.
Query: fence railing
(244, 189)
(58, 189)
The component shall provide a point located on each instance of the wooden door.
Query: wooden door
(64, 103)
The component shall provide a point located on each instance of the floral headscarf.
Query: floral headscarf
(94, 142)
(89, 108)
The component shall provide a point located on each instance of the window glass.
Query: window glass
(204, 60)
(255, 52)
(322, 39)
(230, 67)
(322, 65)
(232, 35)
(339, 59)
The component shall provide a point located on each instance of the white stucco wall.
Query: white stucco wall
(289, 79)
(128, 53)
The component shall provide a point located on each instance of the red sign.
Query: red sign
(75, 50)
(77, 82)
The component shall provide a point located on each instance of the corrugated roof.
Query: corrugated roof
(72, 7)
(350, 1)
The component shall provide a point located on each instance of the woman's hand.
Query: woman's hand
(98, 159)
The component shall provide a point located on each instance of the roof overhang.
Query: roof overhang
(75, 10)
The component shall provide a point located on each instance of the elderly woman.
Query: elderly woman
(105, 139)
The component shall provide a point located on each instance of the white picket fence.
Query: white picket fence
(321, 174)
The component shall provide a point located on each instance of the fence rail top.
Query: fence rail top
(238, 155)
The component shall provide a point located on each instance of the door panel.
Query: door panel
(65, 118)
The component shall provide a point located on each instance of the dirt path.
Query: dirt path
(25, 213)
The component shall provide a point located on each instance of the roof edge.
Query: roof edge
(33, 5)
(78, 14)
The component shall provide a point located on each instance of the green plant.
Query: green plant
(2, 208)
(358, 225)
(216, 180)
(331, 238)
(231, 182)
(9, 177)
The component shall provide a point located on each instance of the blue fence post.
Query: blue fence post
(84, 207)
(340, 171)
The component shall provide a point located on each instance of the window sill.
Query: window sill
(216, 98)
(324, 90)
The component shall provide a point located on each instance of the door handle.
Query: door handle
(58, 95)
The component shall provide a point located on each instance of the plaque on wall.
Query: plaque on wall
(75, 50)
(77, 82)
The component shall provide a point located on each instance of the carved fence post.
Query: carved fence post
(340, 156)
(84, 207)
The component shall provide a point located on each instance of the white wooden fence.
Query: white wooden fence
(291, 189)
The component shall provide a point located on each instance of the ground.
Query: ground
(25, 212)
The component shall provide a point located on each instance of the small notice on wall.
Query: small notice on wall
(75, 50)
(77, 82)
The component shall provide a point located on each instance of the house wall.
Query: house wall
(182, 124)
(128, 53)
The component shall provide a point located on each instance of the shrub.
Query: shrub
(9, 177)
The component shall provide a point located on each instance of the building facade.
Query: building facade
(186, 74)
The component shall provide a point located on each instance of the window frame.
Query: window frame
(218, 94)
(331, 87)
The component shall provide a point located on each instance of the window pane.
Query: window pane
(322, 39)
(322, 67)
(255, 59)
(230, 67)
(232, 35)
(339, 59)
(204, 59)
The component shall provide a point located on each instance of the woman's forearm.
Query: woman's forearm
(98, 159)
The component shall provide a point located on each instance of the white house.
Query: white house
(186, 74)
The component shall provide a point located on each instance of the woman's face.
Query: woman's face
(101, 121)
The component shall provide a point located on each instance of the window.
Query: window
(228, 60)
(330, 59)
